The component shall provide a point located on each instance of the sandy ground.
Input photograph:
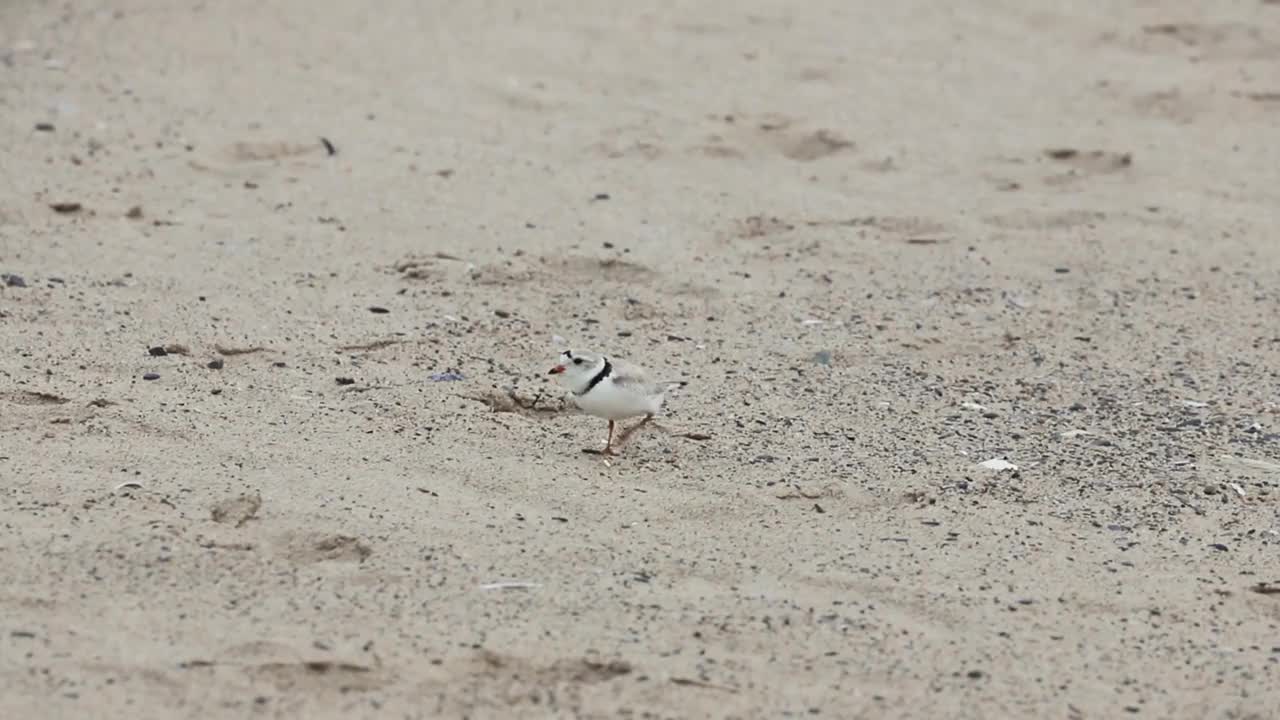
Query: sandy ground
(882, 241)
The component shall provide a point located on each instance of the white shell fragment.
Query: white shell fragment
(1068, 434)
(997, 464)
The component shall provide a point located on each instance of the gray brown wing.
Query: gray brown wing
(631, 376)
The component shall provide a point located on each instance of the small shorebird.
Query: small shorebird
(612, 389)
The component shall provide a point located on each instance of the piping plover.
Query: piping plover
(612, 389)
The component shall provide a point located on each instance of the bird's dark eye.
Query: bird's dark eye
(577, 361)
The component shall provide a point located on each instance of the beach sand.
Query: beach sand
(883, 242)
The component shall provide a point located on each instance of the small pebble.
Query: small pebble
(345, 381)
(502, 314)
(158, 351)
(151, 376)
(216, 364)
(378, 310)
(14, 281)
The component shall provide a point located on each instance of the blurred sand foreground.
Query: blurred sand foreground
(884, 242)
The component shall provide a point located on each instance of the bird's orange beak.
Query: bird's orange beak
(556, 370)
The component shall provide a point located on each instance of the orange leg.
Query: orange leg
(627, 433)
(608, 446)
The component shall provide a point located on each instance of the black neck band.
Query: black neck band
(604, 373)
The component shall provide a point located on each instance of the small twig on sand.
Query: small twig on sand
(230, 351)
(690, 682)
(369, 346)
(688, 435)
(510, 585)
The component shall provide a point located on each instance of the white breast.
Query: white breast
(609, 401)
